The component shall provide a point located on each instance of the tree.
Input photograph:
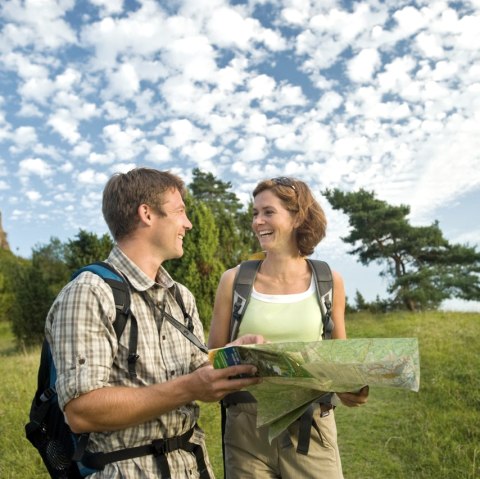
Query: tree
(87, 248)
(423, 266)
(236, 239)
(37, 282)
(33, 298)
(200, 267)
(9, 264)
(49, 259)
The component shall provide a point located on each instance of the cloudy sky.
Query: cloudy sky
(382, 95)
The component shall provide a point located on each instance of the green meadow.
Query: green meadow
(434, 433)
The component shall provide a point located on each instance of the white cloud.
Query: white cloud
(65, 125)
(91, 177)
(34, 167)
(200, 151)
(227, 28)
(158, 154)
(24, 137)
(100, 159)
(123, 143)
(362, 67)
(181, 132)
(114, 111)
(108, 7)
(33, 195)
(261, 86)
(124, 82)
(409, 20)
(42, 21)
(82, 149)
(430, 45)
(253, 148)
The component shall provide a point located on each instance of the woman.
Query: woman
(288, 223)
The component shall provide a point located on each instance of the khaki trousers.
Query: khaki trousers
(248, 454)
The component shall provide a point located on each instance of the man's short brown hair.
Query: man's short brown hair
(125, 192)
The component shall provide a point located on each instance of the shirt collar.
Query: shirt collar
(137, 278)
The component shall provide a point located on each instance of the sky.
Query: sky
(380, 95)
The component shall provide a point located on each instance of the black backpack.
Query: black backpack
(61, 450)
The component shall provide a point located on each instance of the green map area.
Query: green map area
(296, 373)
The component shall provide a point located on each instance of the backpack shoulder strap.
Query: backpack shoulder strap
(188, 331)
(121, 295)
(324, 288)
(242, 289)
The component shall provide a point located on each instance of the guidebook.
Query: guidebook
(297, 373)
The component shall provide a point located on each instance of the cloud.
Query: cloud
(67, 127)
(23, 138)
(124, 82)
(91, 177)
(363, 66)
(34, 167)
(33, 195)
(40, 22)
(123, 143)
(158, 154)
(108, 7)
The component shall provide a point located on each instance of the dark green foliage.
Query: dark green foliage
(36, 282)
(236, 239)
(87, 248)
(424, 268)
(360, 303)
(9, 264)
(49, 259)
(200, 267)
(32, 301)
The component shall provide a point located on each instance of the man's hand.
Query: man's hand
(211, 385)
(353, 399)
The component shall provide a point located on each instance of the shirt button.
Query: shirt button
(163, 337)
(172, 373)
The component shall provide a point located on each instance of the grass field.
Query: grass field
(434, 433)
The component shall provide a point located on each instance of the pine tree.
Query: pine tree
(200, 267)
(423, 267)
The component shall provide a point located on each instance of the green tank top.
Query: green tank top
(284, 317)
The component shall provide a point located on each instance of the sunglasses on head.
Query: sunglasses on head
(284, 181)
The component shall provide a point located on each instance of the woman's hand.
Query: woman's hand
(354, 399)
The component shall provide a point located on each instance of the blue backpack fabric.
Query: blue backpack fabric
(62, 450)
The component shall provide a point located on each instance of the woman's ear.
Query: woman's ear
(297, 221)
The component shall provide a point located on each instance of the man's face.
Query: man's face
(169, 230)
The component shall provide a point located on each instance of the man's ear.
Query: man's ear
(144, 213)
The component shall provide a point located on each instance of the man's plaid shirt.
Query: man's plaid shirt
(88, 356)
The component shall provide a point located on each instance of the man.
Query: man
(145, 212)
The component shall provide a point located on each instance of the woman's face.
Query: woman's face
(272, 223)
